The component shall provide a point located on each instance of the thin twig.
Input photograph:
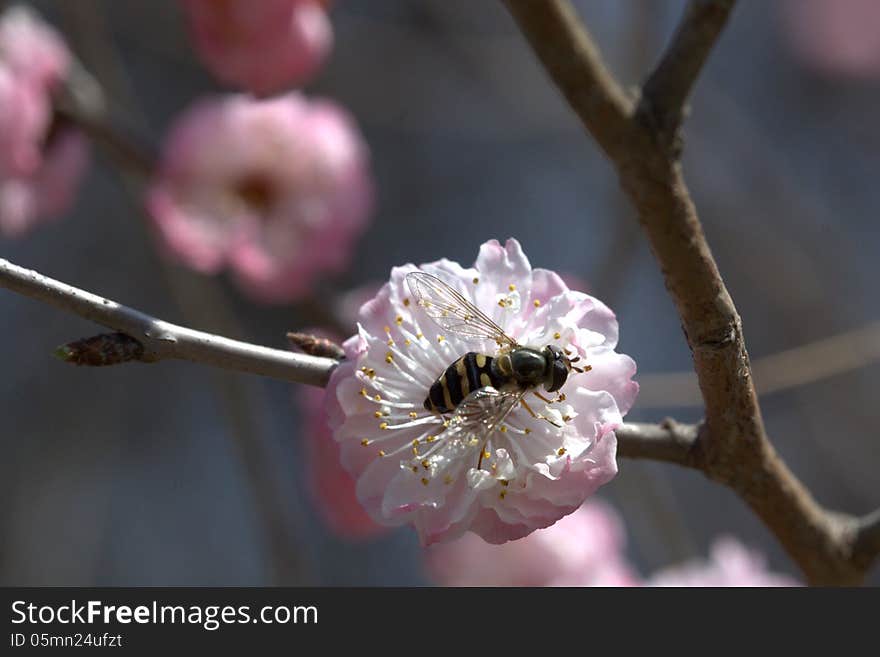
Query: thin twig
(163, 340)
(665, 93)
(668, 441)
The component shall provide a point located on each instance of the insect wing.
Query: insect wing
(482, 411)
(451, 311)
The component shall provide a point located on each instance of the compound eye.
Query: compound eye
(558, 376)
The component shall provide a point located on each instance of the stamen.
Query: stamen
(557, 335)
(476, 280)
(511, 287)
(536, 303)
(406, 302)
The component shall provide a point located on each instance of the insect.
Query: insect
(480, 390)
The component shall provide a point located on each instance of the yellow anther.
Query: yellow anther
(407, 342)
(414, 468)
(503, 429)
(406, 302)
(440, 338)
(381, 452)
(390, 344)
(383, 425)
(503, 482)
(430, 439)
(476, 280)
(527, 431)
(566, 418)
(365, 442)
(486, 454)
(420, 335)
(502, 494)
(363, 392)
(389, 357)
(557, 335)
(413, 415)
(415, 443)
(378, 414)
(511, 287)
(424, 481)
(426, 464)
(377, 397)
(398, 320)
(536, 303)
(560, 451)
(387, 329)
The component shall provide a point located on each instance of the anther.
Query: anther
(365, 442)
(536, 303)
(557, 335)
(561, 451)
(383, 425)
(424, 481)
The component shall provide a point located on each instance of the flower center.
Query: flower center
(257, 192)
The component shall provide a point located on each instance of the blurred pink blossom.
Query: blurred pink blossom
(411, 469)
(731, 564)
(41, 159)
(835, 37)
(585, 548)
(263, 46)
(331, 488)
(278, 190)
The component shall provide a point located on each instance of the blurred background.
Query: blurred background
(175, 474)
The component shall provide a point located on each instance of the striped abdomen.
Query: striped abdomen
(468, 373)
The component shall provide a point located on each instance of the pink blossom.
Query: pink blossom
(331, 488)
(583, 549)
(835, 37)
(277, 190)
(41, 159)
(730, 564)
(261, 46)
(32, 49)
(50, 190)
(411, 469)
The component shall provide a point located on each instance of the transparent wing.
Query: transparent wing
(451, 311)
(482, 411)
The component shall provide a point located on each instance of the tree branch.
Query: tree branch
(733, 447)
(668, 441)
(665, 93)
(162, 340)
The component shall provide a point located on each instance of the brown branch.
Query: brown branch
(664, 95)
(668, 441)
(733, 447)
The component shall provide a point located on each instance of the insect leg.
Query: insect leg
(542, 397)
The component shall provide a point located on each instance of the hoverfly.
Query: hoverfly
(480, 390)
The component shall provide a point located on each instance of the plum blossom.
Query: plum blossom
(42, 159)
(731, 564)
(835, 37)
(276, 190)
(264, 46)
(530, 472)
(585, 548)
(331, 488)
